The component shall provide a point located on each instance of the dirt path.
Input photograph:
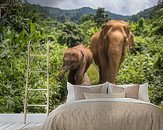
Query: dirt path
(86, 80)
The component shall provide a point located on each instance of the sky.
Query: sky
(123, 7)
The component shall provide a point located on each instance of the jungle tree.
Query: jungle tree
(101, 17)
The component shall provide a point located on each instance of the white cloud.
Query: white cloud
(125, 7)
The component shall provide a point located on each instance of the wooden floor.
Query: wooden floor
(18, 126)
(16, 121)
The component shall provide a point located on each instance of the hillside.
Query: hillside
(78, 13)
(147, 13)
(75, 14)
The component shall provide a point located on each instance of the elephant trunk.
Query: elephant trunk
(63, 71)
(115, 53)
(114, 64)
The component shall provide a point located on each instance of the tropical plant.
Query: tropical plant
(69, 34)
(101, 17)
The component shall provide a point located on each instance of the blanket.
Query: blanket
(105, 114)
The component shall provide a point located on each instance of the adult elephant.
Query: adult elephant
(109, 47)
(76, 61)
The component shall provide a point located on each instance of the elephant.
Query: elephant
(76, 61)
(109, 46)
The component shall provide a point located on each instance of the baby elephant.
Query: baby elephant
(76, 61)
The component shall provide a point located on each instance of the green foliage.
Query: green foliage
(141, 23)
(13, 61)
(144, 62)
(10, 7)
(70, 34)
(11, 71)
(35, 13)
(88, 29)
(87, 17)
(101, 17)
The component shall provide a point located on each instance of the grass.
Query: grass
(93, 74)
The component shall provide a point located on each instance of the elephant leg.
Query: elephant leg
(104, 74)
(100, 74)
(80, 73)
(71, 77)
(103, 68)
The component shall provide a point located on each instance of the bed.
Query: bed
(105, 114)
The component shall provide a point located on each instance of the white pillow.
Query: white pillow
(123, 86)
(71, 95)
(103, 95)
(143, 92)
(71, 90)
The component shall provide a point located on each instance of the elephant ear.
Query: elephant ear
(129, 37)
(131, 40)
(103, 37)
(104, 31)
(83, 57)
